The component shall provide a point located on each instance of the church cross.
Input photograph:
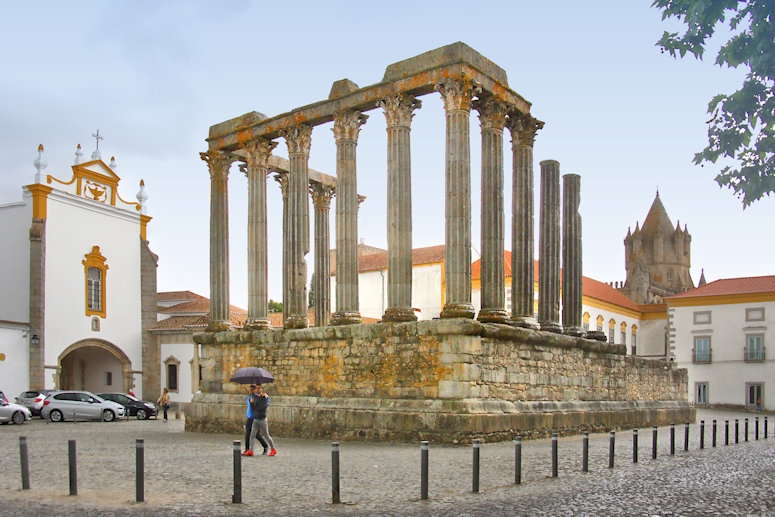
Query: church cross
(97, 137)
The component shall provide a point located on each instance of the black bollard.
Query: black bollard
(745, 435)
(702, 434)
(517, 460)
(737, 429)
(72, 467)
(140, 470)
(672, 439)
(756, 430)
(654, 442)
(686, 437)
(714, 432)
(554, 455)
(726, 432)
(635, 446)
(585, 453)
(423, 470)
(475, 480)
(236, 497)
(611, 447)
(335, 473)
(25, 462)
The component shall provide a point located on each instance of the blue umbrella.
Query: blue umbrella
(252, 375)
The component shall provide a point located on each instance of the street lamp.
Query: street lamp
(35, 340)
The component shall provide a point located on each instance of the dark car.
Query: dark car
(33, 399)
(134, 406)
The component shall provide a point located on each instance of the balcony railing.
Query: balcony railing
(703, 356)
(754, 355)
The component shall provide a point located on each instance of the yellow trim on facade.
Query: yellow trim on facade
(612, 307)
(39, 199)
(725, 299)
(95, 259)
(144, 220)
(648, 316)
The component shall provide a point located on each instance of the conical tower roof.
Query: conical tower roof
(657, 220)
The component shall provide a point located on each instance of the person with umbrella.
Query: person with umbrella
(260, 403)
(249, 433)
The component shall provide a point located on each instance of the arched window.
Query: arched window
(623, 333)
(611, 330)
(95, 271)
(599, 324)
(633, 339)
(585, 321)
(172, 372)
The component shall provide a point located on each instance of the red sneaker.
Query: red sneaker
(248, 453)
(273, 452)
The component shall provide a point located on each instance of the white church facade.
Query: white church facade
(78, 284)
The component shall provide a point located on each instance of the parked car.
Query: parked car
(33, 399)
(80, 405)
(2, 397)
(10, 412)
(134, 407)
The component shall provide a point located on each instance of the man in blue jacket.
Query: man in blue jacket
(260, 402)
(249, 425)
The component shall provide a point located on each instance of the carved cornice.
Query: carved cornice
(218, 162)
(298, 138)
(347, 124)
(399, 109)
(321, 195)
(492, 113)
(457, 94)
(523, 129)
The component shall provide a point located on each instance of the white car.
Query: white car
(10, 412)
(79, 405)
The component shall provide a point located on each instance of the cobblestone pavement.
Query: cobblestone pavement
(192, 474)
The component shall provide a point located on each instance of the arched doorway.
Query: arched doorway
(94, 365)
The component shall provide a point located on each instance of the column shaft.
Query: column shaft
(523, 129)
(346, 129)
(321, 198)
(298, 139)
(571, 255)
(492, 116)
(549, 248)
(219, 164)
(258, 153)
(398, 114)
(457, 96)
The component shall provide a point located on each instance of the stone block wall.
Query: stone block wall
(445, 380)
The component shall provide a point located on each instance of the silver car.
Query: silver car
(80, 405)
(33, 399)
(15, 413)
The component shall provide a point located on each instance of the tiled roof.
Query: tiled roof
(182, 296)
(420, 256)
(729, 286)
(276, 319)
(197, 307)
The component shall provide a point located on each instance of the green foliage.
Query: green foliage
(275, 306)
(741, 129)
(311, 294)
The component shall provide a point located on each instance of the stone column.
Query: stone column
(219, 163)
(37, 305)
(282, 179)
(523, 129)
(398, 114)
(571, 255)
(457, 95)
(299, 139)
(492, 118)
(549, 248)
(258, 152)
(347, 126)
(321, 200)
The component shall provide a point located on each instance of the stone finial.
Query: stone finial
(40, 165)
(142, 197)
(78, 154)
(113, 165)
(341, 88)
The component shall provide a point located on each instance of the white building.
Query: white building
(719, 332)
(78, 284)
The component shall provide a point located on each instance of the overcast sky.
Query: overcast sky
(154, 76)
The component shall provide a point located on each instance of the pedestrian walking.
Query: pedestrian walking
(164, 402)
(250, 434)
(260, 404)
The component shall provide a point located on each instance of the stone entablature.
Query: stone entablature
(446, 380)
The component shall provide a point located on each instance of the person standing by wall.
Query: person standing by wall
(164, 402)
(260, 403)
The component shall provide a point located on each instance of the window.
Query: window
(754, 348)
(634, 339)
(623, 334)
(599, 326)
(585, 322)
(172, 376)
(754, 394)
(702, 318)
(756, 314)
(701, 393)
(701, 352)
(108, 378)
(95, 271)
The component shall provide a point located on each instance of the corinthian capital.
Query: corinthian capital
(457, 94)
(258, 152)
(282, 179)
(321, 195)
(399, 109)
(298, 138)
(218, 162)
(523, 129)
(347, 124)
(492, 113)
